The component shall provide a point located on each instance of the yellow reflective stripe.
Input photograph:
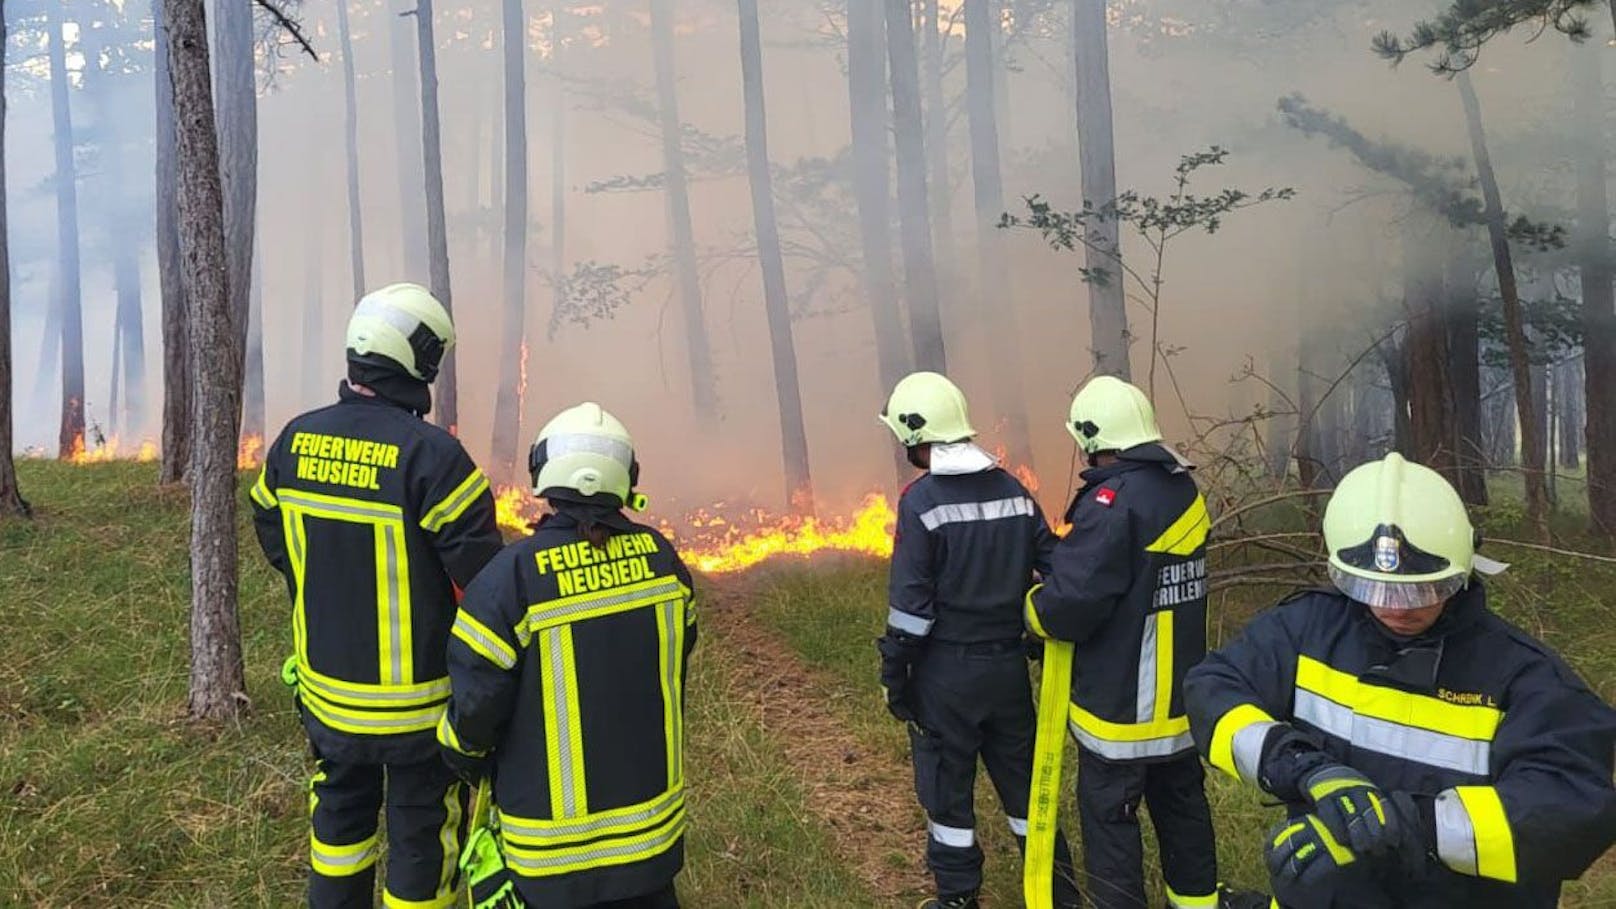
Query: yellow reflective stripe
(341, 861)
(1186, 534)
(393, 632)
(441, 901)
(454, 807)
(596, 853)
(366, 694)
(371, 722)
(296, 547)
(483, 640)
(670, 654)
(1128, 732)
(455, 503)
(340, 508)
(1164, 666)
(690, 604)
(616, 822)
(605, 602)
(563, 734)
(1031, 614)
(260, 492)
(448, 738)
(1221, 753)
(1495, 842)
(1420, 711)
(1183, 901)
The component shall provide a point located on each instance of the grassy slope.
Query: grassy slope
(109, 797)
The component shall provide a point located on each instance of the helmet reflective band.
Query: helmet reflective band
(1398, 536)
(403, 323)
(1109, 414)
(927, 407)
(587, 450)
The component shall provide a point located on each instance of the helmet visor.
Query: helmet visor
(1383, 594)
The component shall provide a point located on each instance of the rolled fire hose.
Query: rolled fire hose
(1043, 807)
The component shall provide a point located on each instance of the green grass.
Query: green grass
(110, 797)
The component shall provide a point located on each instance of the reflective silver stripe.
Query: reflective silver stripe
(581, 443)
(1146, 710)
(599, 854)
(639, 817)
(556, 690)
(1455, 835)
(908, 622)
(373, 308)
(957, 837)
(395, 619)
(402, 720)
(501, 652)
(1132, 751)
(423, 694)
(674, 628)
(668, 587)
(1018, 826)
(969, 512)
(317, 851)
(438, 517)
(1247, 746)
(350, 507)
(1434, 749)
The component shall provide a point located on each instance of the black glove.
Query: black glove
(1412, 822)
(898, 654)
(1288, 758)
(1354, 809)
(1303, 859)
(1033, 646)
(468, 768)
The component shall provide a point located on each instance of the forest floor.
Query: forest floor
(801, 794)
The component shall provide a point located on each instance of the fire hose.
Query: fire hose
(1043, 806)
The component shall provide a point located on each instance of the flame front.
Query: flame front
(250, 453)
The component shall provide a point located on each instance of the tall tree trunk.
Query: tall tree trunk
(1434, 429)
(114, 400)
(237, 117)
(313, 338)
(558, 164)
(410, 77)
(703, 394)
(1001, 77)
(1310, 464)
(252, 411)
(793, 435)
(1398, 379)
(1593, 249)
(131, 341)
(1464, 347)
(71, 435)
(176, 447)
(513, 330)
(914, 205)
(1537, 493)
(1108, 314)
(218, 684)
(939, 195)
(11, 500)
(993, 268)
(350, 132)
(1568, 393)
(445, 400)
(867, 92)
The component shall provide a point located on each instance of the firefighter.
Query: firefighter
(1127, 586)
(1430, 753)
(953, 664)
(568, 663)
(375, 516)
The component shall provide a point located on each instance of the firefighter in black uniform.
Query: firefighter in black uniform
(1128, 587)
(374, 516)
(1431, 754)
(953, 664)
(568, 664)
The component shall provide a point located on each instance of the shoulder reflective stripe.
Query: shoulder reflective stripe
(1185, 901)
(1129, 741)
(617, 599)
(448, 738)
(1418, 710)
(341, 861)
(908, 623)
(481, 639)
(616, 822)
(1018, 825)
(340, 507)
(455, 503)
(957, 837)
(563, 734)
(603, 853)
(971, 512)
(1237, 741)
(1473, 835)
(261, 493)
(363, 694)
(1187, 533)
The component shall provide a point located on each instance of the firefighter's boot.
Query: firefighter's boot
(958, 901)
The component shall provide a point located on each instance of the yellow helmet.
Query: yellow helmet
(404, 324)
(1109, 414)
(586, 450)
(1398, 535)
(927, 407)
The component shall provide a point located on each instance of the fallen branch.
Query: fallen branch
(1271, 500)
(1570, 553)
(290, 26)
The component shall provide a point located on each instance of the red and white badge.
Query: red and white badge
(1106, 497)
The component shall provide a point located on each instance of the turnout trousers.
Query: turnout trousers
(1108, 796)
(426, 824)
(970, 701)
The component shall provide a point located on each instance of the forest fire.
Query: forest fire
(111, 449)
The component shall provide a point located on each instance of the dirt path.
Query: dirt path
(865, 798)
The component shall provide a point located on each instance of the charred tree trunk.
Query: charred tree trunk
(703, 394)
(1432, 423)
(218, 684)
(793, 435)
(919, 268)
(350, 133)
(131, 341)
(1108, 314)
(558, 168)
(1464, 348)
(1593, 250)
(993, 269)
(237, 118)
(513, 329)
(1514, 324)
(446, 402)
(1391, 354)
(11, 500)
(176, 445)
(939, 186)
(867, 92)
(410, 111)
(69, 303)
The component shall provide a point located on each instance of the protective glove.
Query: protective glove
(468, 768)
(1303, 858)
(898, 654)
(1411, 820)
(1354, 810)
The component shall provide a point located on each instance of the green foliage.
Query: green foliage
(1553, 326)
(1462, 29)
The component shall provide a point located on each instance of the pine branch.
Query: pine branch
(1462, 29)
(290, 26)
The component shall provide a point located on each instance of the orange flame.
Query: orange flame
(514, 509)
(111, 449)
(250, 452)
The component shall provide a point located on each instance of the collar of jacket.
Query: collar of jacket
(347, 395)
(958, 458)
(571, 514)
